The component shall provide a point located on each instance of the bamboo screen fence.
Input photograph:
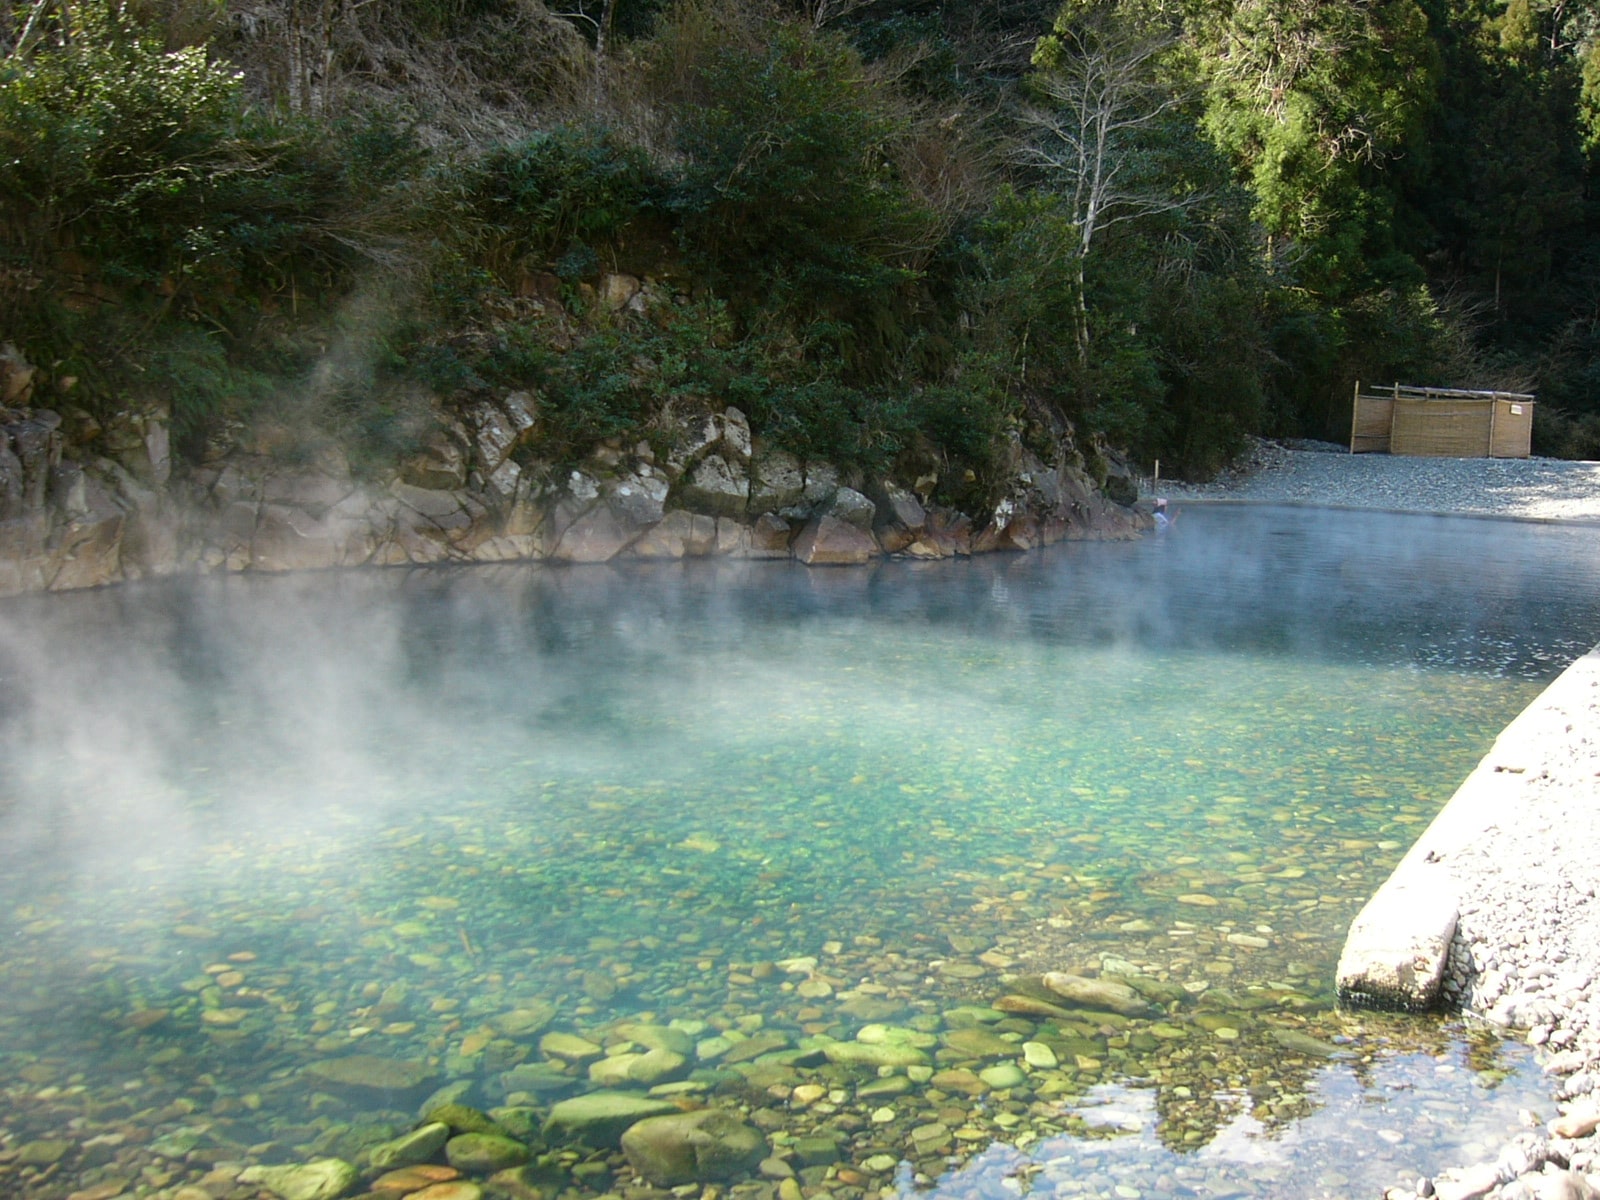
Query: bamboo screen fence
(1441, 422)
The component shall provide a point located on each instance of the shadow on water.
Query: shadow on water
(252, 824)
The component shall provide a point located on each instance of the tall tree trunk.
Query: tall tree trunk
(1082, 331)
(602, 44)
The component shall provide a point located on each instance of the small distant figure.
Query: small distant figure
(1165, 520)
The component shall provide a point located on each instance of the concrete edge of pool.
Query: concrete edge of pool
(1397, 952)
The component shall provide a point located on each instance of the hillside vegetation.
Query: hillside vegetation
(888, 230)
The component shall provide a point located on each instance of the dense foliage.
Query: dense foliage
(884, 228)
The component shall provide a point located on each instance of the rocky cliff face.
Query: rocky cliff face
(114, 508)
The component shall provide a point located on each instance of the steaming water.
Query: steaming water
(252, 824)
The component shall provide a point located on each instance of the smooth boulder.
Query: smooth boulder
(1101, 995)
(599, 1118)
(321, 1179)
(693, 1147)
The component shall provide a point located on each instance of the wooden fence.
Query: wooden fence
(1441, 422)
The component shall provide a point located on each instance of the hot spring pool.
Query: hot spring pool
(733, 812)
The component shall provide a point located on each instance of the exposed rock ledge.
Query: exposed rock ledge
(74, 518)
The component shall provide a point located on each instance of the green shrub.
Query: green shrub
(789, 202)
(615, 378)
(558, 195)
(143, 162)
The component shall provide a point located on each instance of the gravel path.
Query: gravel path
(1527, 950)
(1322, 474)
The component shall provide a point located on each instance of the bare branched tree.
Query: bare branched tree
(1104, 93)
(600, 16)
(823, 11)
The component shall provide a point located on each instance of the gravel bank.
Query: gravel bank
(1527, 948)
(1317, 473)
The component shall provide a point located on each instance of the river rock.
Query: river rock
(776, 482)
(440, 464)
(651, 1067)
(1580, 1122)
(367, 1072)
(1003, 1075)
(485, 1153)
(1304, 1043)
(770, 536)
(541, 1078)
(412, 1179)
(898, 507)
(679, 534)
(640, 495)
(569, 1047)
(1106, 995)
(959, 1079)
(736, 444)
(1040, 1056)
(599, 1118)
(693, 1147)
(828, 541)
(765, 1042)
(525, 1021)
(976, 1042)
(412, 1148)
(1029, 1006)
(658, 1037)
(716, 488)
(864, 1054)
(45, 1152)
(851, 507)
(533, 1181)
(896, 1035)
(320, 1179)
(889, 1085)
(598, 534)
(454, 1189)
(462, 1118)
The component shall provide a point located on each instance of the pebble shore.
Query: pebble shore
(1326, 475)
(1526, 954)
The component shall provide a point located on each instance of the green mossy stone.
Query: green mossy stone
(418, 1146)
(462, 1118)
(519, 1121)
(485, 1153)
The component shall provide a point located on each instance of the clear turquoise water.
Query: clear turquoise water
(255, 823)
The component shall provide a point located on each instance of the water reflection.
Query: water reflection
(1365, 1126)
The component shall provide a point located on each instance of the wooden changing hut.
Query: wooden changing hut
(1441, 422)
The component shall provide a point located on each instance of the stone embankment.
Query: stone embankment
(84, 503)
(1494, 911)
